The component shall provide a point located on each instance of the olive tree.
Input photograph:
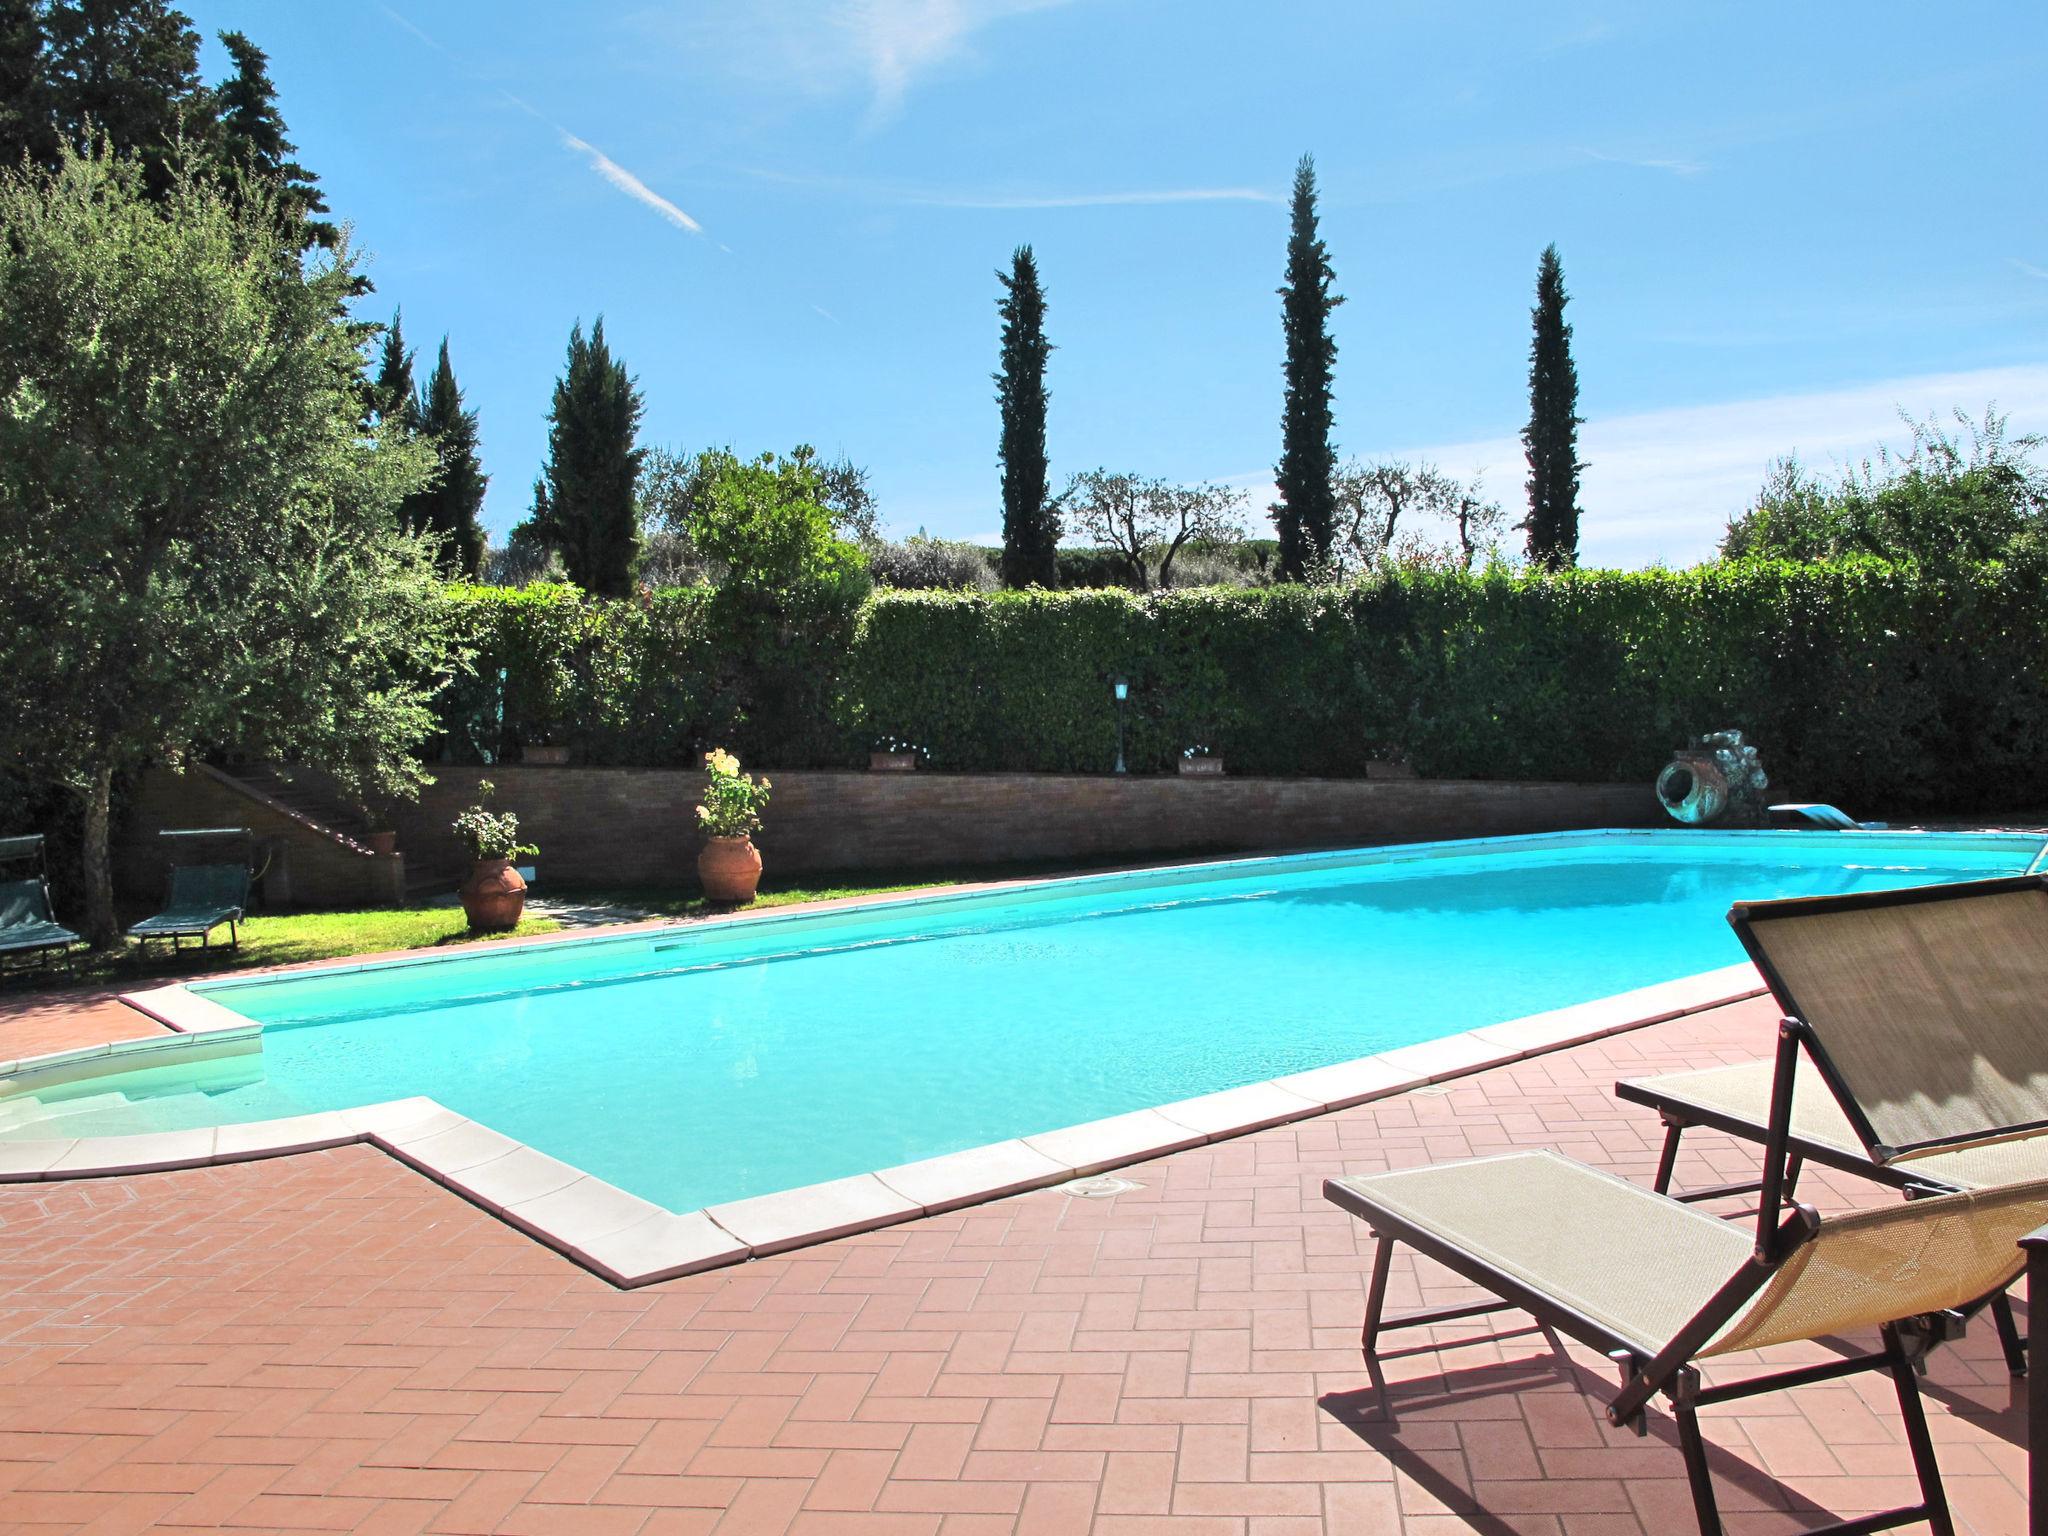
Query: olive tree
(1142, 521)
(1390, 512)
(199, 546)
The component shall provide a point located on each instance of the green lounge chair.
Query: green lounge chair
(28, 928)
(202, 897)
(1934, 1005)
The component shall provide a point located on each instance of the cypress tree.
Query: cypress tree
(452, 505)
(1551, 439)
(585, 505)
(1306, 515)
(391, 396)
(1031, 526)
(253, 148)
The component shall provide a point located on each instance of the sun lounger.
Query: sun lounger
(1933, 1002)
(1920, 1013)
(1736, 1101)
(28, 928)
(1659, 1285)
(202, 898)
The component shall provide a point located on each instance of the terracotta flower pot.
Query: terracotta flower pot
(892, 762)
(493, 896)
(383, 844)
(730, 868)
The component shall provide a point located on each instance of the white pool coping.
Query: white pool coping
(632, 1242)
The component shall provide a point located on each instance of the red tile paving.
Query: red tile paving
(33, 1023)
(330, 1342)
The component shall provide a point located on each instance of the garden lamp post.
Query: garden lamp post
(1121, 687)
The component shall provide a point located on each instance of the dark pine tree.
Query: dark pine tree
(585, 505)
(391, 395)
(452, 507)
(25, 128)
(253, 149)
(1306, 515)
(128, 71)
(1551, 439)
(1031, 525)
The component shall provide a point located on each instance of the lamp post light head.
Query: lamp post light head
(1120, 687)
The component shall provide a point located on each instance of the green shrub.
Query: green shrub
(624, 682)
(1891, 688)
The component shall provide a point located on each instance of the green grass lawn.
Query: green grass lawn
(284, 939)
(791, 889)
(660, 901)
(293, 938)
(289, 938)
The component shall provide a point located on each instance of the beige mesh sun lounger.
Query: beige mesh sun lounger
(1659, 1285)
(1933, 1003)
(1921, 1013)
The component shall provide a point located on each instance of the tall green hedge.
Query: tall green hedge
(1886, 687)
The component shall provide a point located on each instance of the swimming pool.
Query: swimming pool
(710, 1063)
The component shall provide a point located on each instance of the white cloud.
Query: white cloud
(628, 183)
(610, 169)
(600, 162)
(901, 39)
(1672, 164)
(412, 28)
(1661, 485)
(2028, 267)
(922, 197)
(1094, 199)
(881, 47)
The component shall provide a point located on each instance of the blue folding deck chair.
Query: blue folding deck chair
(202, 897)
(28, 928)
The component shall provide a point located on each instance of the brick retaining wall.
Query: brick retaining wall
(638, 826)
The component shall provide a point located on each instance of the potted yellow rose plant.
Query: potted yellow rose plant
(730, 865)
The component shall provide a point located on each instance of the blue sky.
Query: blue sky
(1779, 224)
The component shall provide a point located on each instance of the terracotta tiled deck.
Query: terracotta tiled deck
(331, 1342)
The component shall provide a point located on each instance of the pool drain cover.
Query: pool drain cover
(1100, 1186)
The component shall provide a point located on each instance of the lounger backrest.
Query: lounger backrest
(23, 902)
(1877, 1266)
(1930, 1004)
(209, 886)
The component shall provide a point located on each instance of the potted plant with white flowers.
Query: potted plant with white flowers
(494, 895)
(1198, 761)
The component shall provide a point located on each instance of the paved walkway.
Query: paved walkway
(331, 1342)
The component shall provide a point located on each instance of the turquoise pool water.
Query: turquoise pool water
(696, 1066)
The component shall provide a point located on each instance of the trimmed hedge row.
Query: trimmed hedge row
(1889, 688)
